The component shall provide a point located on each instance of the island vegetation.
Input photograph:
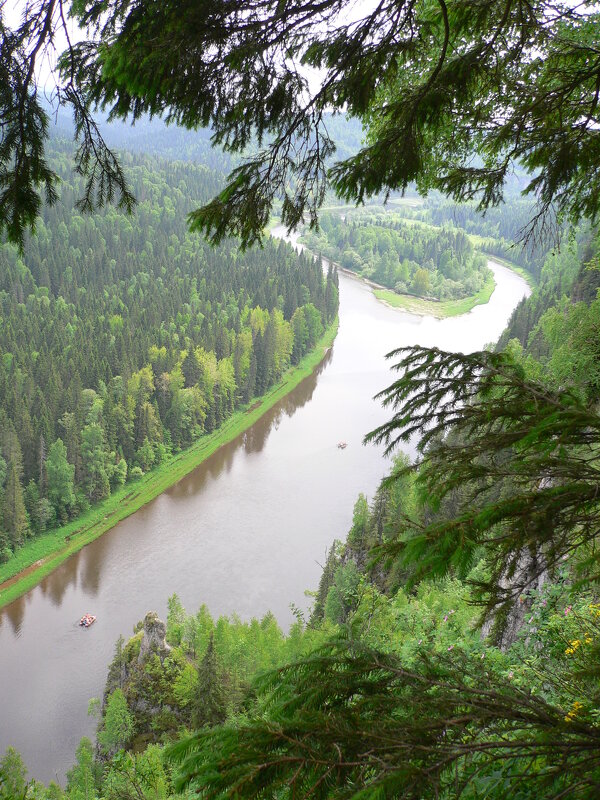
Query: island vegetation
(417, 260)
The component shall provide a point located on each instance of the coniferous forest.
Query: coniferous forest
(409, 258)
(452, 646)
(124, 339)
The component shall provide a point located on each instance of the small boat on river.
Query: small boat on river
(87, 620)
(342, 445)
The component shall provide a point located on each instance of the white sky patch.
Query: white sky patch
(45, 67)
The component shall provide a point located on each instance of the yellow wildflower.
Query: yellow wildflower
(574, 645)
(575, 709)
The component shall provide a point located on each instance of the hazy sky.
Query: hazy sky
(12, 12)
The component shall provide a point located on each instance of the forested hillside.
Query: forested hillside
(499, 232)
(454, 646)
(411, 258)
(566, 271)
(157, 138)
(123, 339)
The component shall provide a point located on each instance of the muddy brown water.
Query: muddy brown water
(245, 532)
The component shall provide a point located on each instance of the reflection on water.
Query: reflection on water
(243, 533)
(56, 584)
(91, 571)
(14, 613)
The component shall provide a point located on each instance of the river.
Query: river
(246, 532)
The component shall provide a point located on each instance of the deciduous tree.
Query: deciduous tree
(60, 475)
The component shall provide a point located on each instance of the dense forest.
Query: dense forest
(500, 228)
(199, 707)
(453, 649)
(124, 339)
(122, 365)
(409, 258)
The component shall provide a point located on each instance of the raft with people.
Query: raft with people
(87, 620)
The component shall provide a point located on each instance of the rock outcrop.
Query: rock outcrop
(530, 574)
(153, 638)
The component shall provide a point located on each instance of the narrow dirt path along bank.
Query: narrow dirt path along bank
(43, 555)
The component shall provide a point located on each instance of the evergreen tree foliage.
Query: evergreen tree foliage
(325, 583)
(118, 726)
(15, 519)
(190, 369)
(60, 476)
(131, 777)
(483, 425)
(434, 83)
(210, 704)
(353, 723)
(82, 778)
(13, 783)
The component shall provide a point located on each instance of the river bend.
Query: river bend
(246, 532)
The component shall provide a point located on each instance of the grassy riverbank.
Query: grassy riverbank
(430, 307)
(40, 556)
(436, 308)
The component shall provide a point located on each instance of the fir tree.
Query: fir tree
(209, 705)
(15, 515)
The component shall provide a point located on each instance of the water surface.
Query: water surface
(246, 532)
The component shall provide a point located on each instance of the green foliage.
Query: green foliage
(205, 676)
(404, 256)
(353, 722)
(360, 517)
(97, 348)
(484, 427)
(60, 476)
(145, 455)
(209, 705)
(82, 778)
(342, 596)
(325, 583)
(118, 726)
(559, 276)
(570, 332)
(131, 777)
(13, 783)
(15, 519)
(185, 686)
(25, 173)
(175, 620)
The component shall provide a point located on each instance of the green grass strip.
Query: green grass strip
(40, 556)
(527, 276)
(436, 308)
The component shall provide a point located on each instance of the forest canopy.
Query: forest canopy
(454, 94)
(418, 259)
(459, 90)
(124, 340)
